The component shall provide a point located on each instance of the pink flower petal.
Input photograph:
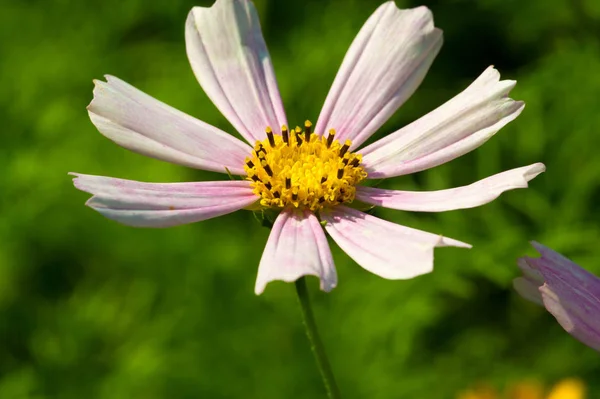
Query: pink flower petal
(387, 249)
(229, 57)
(297, 246)
(470, 196)
(455, 128)
(383, 67)
(575, 311)
(569, 292)
(163, 204)
(145, 125)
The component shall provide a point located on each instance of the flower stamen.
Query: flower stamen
(270, 136)
(307, 130)
(330, 137)
(302, 169)
(284, 135)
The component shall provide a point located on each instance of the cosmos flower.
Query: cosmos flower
(569, 292)
(310, 175)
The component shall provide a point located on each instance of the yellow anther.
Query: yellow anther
(303, 171)
(331, 137)
(345, 147)
(307, 130)
(284, 134)
(269, 132)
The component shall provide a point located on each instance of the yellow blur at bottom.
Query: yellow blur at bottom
(566, 389)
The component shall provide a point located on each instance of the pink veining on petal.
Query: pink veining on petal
(163, 204)
(569, 292)
(386, 249)
(140, 123)
(460, 125)
(385, 64)
(296, 247)
(230, 59)
(470, 196)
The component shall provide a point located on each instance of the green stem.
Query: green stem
(315, 341)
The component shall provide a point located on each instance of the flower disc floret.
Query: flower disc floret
(303, 169)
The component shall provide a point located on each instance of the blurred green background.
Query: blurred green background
(93, 309)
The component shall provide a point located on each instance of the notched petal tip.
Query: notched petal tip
(422, 11)
(489, 76)
(230, 60)
(492, 75)
(191, 17)
(215, 4)
(98, 85)
(384, 65)
(100, 88)
(77, 181)
(386, 249)
(458, 126)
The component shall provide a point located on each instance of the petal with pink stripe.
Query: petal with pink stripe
(386, 249)
(297, 247)
(470, 196)
(460, 125)
(382, 68)
(230, 59)
(140, 123)
(163, 204)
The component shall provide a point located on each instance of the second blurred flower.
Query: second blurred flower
(569, 292)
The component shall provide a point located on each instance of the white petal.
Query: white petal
(140, 123)
(229, 57)
(387, 249)
(383, 67)
(470, 196)
(457, 127)
(163, 204)
(297, 247)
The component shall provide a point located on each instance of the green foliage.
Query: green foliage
(93, 309)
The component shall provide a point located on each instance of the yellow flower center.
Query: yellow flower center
(302, 169)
